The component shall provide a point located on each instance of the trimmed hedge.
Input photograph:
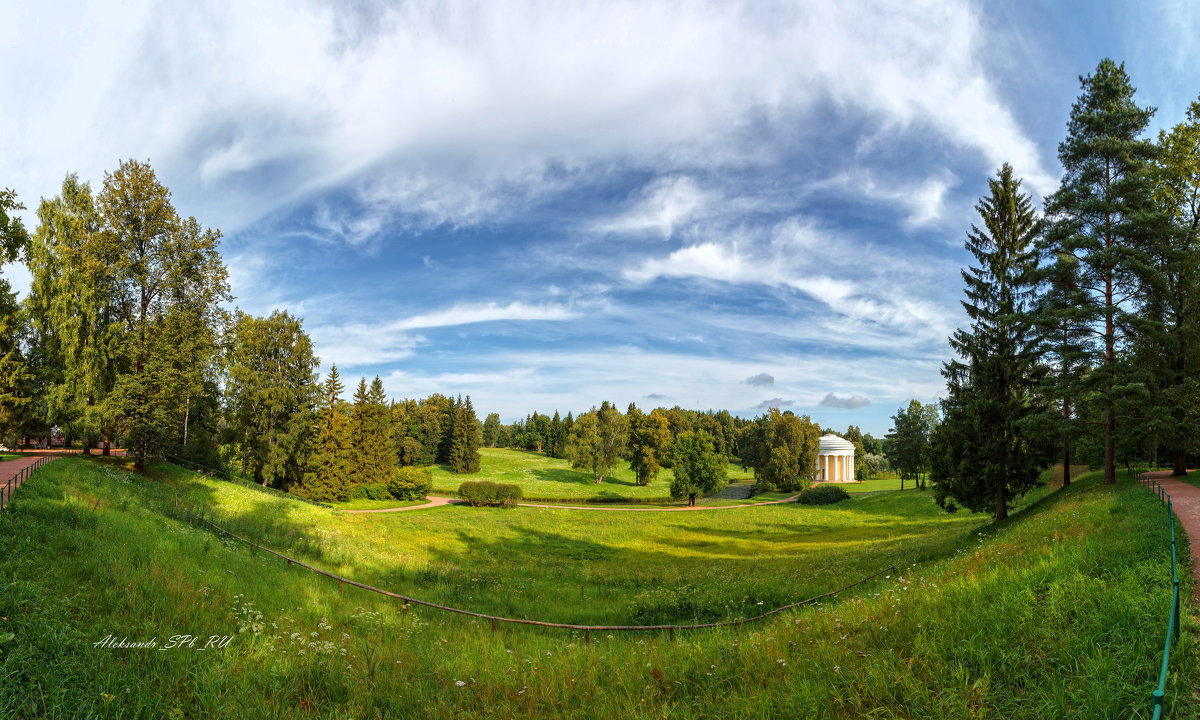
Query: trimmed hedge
(822, 495)
(485, 493)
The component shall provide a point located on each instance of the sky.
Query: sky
(544, 205)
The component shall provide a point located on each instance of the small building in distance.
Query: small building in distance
(835, 460)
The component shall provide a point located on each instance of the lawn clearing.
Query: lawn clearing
(542, 477)
(1057, 612)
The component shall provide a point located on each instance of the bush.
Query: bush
(371, 491)
(823, 495)
(410, 483)
(481, 493)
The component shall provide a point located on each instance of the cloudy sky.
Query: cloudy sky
(548, 204)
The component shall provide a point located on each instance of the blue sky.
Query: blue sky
(545, 205)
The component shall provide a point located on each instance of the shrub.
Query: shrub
(823, 495)
(410, 483)
(371, 491)
(480, 493)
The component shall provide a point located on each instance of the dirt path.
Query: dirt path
(1185, 500)
(10, 469)
(439, 501)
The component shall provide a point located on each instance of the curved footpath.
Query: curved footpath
(439, 501)
(1185, 500)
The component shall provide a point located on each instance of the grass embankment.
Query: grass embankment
(1057, 612)
(543, 478)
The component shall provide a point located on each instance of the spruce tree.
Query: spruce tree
(1101, 218)
(981, 458)
(327, 476)
(467, 435)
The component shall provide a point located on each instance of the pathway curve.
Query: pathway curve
(435, 501)
(1185, 500)
(10, 469)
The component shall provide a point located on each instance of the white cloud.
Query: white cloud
(664, 205)
(446, 109)
(485, 312)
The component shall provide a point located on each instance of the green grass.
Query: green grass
(9, 456)
(1057, 612)
(542, 477)
(376, 504)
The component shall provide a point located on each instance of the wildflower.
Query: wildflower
(459, 683)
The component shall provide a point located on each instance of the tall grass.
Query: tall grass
(1057, 612)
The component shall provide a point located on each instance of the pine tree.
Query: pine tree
(980, 456)
(1102, 219)
(327, 476)
(467, 435)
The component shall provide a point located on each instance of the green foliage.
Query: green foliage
(980, 455)
(782, 449)
(327, 475)
(481, 493)
(465, 438)
(1105, 224)
(491, 430)
(648, 439)
(14, 242)
(822, 495)
(598, 441)
(699, 469)
(270, 394)
(372, 453)
(908, 445)
(410, 483)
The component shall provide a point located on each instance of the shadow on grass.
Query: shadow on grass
(575, 477)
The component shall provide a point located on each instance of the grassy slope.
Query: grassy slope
(1058, 612)
(541, 476)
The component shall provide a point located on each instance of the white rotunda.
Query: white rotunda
(835, 460)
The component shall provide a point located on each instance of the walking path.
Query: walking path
(439, 501)
(10, 469)
(1185, 500)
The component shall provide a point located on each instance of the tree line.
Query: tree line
(1084, 318)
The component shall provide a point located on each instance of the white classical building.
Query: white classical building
(835, 460)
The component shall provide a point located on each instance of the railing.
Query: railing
(1159, 695)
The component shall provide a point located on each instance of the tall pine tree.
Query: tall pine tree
(466, 438)
(980, 457)
(1099, 219)
(327, 475)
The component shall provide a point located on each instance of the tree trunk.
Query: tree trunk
(1001, 504)
(1066, 461)
(692, 500)
(1180, 464)
(1110, 468)
(107, 443)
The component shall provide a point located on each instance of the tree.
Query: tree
(782, 449)
(1173, 305)
(908, 442)
(1103, 218)
(270, 393)
(980, 456)
(648, 437)
(491, 429)
(327, 474)
(597, 441)
(163, 279)
(13, 244)
(464, 444)
(854, 435)
(698, 467)
(372, 453)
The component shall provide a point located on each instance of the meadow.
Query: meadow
(1058, 611)
(543, 478)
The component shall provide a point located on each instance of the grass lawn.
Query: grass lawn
(1057, 612)
(8, 456)
(542, 477)
(376, 504)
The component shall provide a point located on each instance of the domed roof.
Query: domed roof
(835, 444)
